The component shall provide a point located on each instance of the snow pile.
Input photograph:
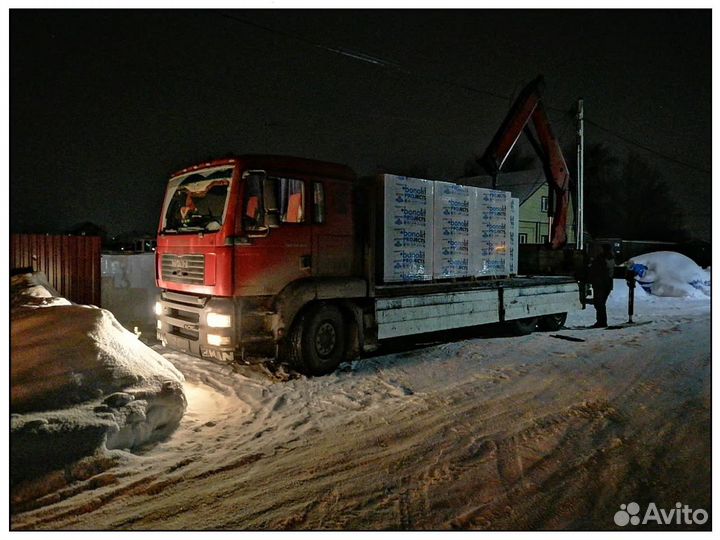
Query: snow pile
(666, 273)
(34, 290)
(80, 382)
(620, 292)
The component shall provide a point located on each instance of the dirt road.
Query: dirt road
(476, 433)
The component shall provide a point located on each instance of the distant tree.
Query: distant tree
(649, 210)
(87, 228)
(627, 199)
(601, 179)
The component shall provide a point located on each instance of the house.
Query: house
(531, 188)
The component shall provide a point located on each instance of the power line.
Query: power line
(647, 148)
(396, 66)
(355, 55)
(363, 57)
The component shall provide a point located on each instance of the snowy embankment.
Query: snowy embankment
(80, 383)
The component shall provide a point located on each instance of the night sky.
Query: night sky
(104, 105)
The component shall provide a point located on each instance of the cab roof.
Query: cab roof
(280, 164)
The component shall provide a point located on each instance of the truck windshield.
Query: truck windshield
(197, 201)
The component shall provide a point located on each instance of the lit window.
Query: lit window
(543, 203)
(292, 200)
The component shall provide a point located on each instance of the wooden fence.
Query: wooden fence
(71, 263)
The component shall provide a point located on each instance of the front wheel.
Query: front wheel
(317, 341)
(552, 322)
(522, 327)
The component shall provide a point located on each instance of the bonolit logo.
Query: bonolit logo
(680, 515)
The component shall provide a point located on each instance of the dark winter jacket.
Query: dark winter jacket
(600, 274)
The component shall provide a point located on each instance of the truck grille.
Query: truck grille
(184, 268)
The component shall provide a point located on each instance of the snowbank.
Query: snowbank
(81, 383)
(34, 290)
(666, 273)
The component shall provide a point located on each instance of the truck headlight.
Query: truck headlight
(219, 320)
(158, 309)
(218, 341)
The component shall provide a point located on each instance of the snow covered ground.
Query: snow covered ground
(81, 384)
(460, 430)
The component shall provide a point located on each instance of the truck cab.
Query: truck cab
(244, 244)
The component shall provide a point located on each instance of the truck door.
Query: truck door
(334, 252)
(282, 251)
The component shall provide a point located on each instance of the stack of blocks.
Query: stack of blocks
(441, 230)
(452, 208)
(408, 224)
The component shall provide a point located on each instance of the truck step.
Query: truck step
(258, 313)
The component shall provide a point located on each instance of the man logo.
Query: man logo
(180, 262)
(627, 514)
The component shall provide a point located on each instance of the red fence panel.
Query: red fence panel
(71, 263)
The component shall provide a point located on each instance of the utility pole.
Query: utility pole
(579, 215)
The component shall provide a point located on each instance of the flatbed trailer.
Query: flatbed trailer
(402, 310)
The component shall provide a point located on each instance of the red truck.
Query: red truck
(281, 256)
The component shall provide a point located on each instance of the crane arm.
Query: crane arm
(528, 107)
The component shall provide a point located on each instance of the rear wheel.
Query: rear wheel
(552, 322)
(522, 327)
(316, 344)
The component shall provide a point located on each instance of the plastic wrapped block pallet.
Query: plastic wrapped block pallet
(514, 218)
(489, 251)
(451, 234)
(408, 229)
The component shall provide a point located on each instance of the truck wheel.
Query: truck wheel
(522, 327)
(552, 322)
(317, 341)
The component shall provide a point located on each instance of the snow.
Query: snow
(34, 290)
(469, 429)
(667, 273)
(81, 383)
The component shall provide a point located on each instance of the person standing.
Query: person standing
(600, 275)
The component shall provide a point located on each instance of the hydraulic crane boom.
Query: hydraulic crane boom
(528, 106)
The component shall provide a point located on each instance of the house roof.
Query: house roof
(522, 184)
